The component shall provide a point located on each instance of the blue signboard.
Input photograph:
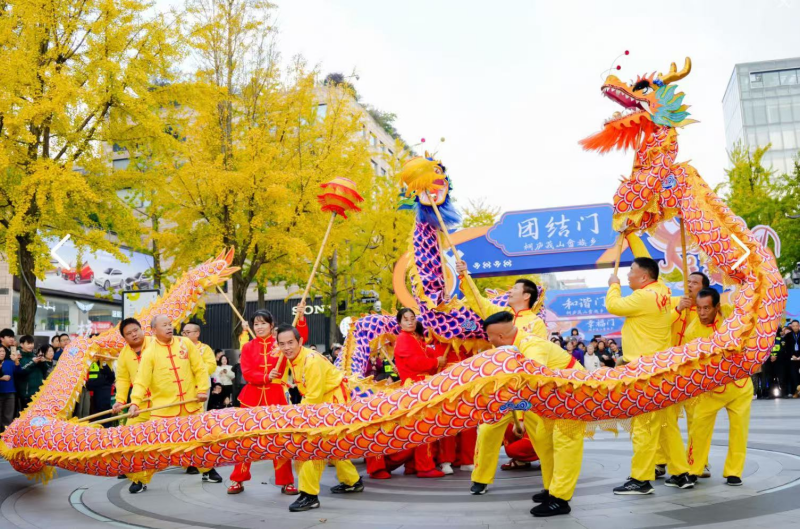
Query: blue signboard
(554, 230)
(577, 304)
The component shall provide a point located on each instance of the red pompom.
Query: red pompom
(627, 52)
(422, 140)
(619, 67)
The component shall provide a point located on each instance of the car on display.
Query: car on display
(109, 278)
(84, 275)
(139, 281)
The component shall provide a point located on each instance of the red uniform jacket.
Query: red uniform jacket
(259, 357)
(411, 358)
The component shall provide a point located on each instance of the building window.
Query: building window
(788, 77)
(756, 80)
(391, 152)
(771, 79)
(776, 139)
(785, 110)
(760, 111)
(322, 110)
(789, 139)
(383, 171)
(374, 166)
(773, 116)
(121, 164)
(373, 140)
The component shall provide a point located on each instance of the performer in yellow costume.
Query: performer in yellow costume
(318, 381)
(173, 372)
(127, 367)
(647, 330)
(736, 397)
(560, 445)
(521, 300)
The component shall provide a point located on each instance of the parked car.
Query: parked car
(139, 281)
(83, 276)
(110, 277)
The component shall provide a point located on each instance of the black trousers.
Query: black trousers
(8, 405)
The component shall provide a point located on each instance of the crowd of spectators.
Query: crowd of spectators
(592, 354)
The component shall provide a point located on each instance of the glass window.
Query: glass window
(776, 138)
(773, 116)
(383, 171)
(771, 79)
(749, 118)
(373, 140)
(122, 163)
(789, 139)
(762, 136)
(760, 111)
(391, 152)
(756, 80)
(788, 77)
(322, 110)
(785, 109)
(374, 166)
(796, 108)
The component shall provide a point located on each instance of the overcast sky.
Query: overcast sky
(514, 85)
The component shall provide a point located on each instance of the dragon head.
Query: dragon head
(648, 103)
(426, 183)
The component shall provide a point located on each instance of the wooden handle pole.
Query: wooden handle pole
(620, 243)
(386, 357)
(685, 252)
(106, 357)
(314, 268)
(467, 278)
(236, 311)
(100, 414)
(148, 410)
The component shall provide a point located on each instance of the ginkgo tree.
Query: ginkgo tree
(257, 142)
(75, 75)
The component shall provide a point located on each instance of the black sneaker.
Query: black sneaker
(212, 476)
(734, 481)
(541, 497)
(305, 502)
(693, 478)
(478, 489)
(681, 481)
(192, 471)
(122, 476)
(137, 487)
(661, 471)
(343, 488)
(634, 487)
(552, 507)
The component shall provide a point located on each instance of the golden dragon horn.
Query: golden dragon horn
(674, 74)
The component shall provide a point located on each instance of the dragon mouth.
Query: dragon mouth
(632, 105)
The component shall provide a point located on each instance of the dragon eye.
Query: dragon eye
(643, 86)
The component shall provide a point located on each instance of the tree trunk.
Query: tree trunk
(333, 271)
(27, 296)
(239, 299)
(157, 270)
(262, 302)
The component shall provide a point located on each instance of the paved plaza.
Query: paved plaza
(769, 497)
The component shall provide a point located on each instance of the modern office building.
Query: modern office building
(762, 106)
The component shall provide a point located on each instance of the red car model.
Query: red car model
(86, 274)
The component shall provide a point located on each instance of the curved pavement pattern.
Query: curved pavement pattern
(176, 500)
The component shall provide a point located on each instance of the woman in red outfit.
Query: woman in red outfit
(413, 363)
(261, 358)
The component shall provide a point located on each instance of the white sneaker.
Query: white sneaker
(706, 472)
(467, 468)
(447, 469)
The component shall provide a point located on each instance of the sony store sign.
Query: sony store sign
(312, 309)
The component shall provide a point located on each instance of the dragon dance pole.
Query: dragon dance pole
(620, 243)
(339, 197)
(100, 414)
(148, 410)
(685, 252)
(236, 311)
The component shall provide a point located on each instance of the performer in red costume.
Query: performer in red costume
(519, 450)
(458, 450)
(264, 368)
(413, 363)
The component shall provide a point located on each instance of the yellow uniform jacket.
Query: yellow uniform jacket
(317, 379)
(207, 354)
(127, 367)
(648, 319)
(173, 372)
